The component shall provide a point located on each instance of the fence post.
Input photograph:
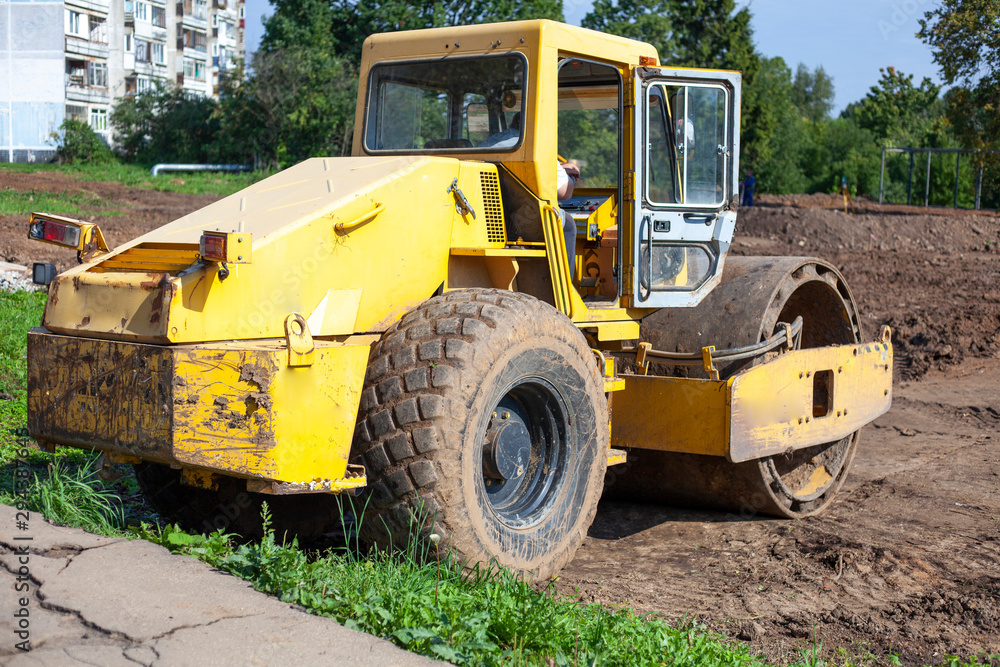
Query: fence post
(927, 187)
(958, 162)
(881, 177)
(979, 187)
(909, 185)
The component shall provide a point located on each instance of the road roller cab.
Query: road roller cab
(427, 324)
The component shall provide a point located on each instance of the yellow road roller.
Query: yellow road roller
(517, 280)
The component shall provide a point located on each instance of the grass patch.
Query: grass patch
(19, 311)
(19, 202)
(138, 176)
(477, 618)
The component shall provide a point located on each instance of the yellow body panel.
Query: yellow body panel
(769, 409)
(397, 259)
(235, 408)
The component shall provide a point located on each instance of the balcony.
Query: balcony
(193, 14)
(99, 6)
(84, 47)
(78, 91)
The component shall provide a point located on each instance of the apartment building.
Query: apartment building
(75, 58)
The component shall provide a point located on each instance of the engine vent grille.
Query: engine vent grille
(493, 211)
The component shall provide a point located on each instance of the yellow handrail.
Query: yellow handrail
(345, 227)
(555, 244)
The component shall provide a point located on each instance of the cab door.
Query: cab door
(686, 182)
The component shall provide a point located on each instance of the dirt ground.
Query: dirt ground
(905, 561)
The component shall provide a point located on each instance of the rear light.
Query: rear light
(84, 237)
(226, 247)
(213, 248)
(54, 231)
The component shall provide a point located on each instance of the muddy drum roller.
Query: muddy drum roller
(758, 296)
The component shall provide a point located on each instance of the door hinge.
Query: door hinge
(629, 92)
(629, 278)
(629, 186)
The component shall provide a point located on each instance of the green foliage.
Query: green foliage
(166, 125)
(77, 143)
(220, 184)
(780, 163)
(353, 20)
(74, 496)
(19, 311)
(81, 202)
(300, 101)
(645, 20)
(482, 617)
(812, 93)
(964, 36)
(895, 109)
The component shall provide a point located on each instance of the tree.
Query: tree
(812, 93)
(964, 36)
(77, 143)
(354, 20)
(778, 162)
(644, 20)
(895, 108)
(300, 102)
(165, 125)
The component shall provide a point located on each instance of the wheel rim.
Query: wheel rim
(524, 451)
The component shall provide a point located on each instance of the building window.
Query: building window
(200, 9)
(128, 42)
(194, 69)
(74, 112)
(215, 20)
(159, 16)
(142, 85)
(215, 50)
(74, 23)
(141, 51)
(97, 75)
(98, 30)
(99, 120)
(141, 11)
(242, 12)
(157, 51)
(195, 40)
(76, 73)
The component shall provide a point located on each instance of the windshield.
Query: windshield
(459, 104)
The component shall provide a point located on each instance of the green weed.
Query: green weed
(19, 202)
(19, 311)
(72, 495)
(138, 176)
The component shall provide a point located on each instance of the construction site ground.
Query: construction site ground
(905, 561)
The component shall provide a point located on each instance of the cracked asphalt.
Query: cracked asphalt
(96, 600)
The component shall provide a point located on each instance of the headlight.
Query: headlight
(682, 268)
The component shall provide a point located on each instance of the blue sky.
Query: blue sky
(851, 39)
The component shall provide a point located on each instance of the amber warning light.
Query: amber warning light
(226, 247)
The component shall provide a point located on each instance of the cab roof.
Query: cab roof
(525, 36)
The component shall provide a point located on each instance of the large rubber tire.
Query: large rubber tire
(233, 509)
(463, 372)
(755, 294)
